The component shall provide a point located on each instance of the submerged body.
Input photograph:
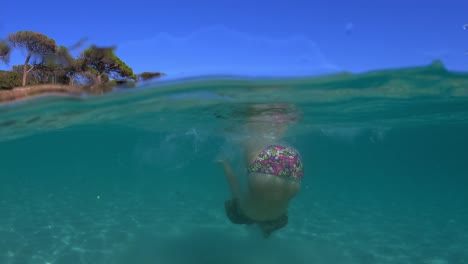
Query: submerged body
(274, 172)
(271, 183)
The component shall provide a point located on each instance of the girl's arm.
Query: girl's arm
(232, 179)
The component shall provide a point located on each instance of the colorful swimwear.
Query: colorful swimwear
(280, 161)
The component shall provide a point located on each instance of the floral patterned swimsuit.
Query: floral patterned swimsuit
(280, 161)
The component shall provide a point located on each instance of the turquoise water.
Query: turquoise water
(129, 177)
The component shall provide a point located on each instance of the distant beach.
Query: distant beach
(21, 93)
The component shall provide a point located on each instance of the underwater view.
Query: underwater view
(134, 176)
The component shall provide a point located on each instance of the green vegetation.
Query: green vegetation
(96, 69)
(144, 76)
(104, 61)
(4, 52)
(9, 79)
(36, 44)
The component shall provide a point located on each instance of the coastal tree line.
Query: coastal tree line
(47, 63)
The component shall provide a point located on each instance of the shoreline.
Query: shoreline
(33, 91)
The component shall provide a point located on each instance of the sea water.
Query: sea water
(130, 176)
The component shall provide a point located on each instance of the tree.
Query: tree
(144, 76)
(36, 44)
(58, 65)
(9, 79)
(4, 52)
(31, 78)
(71, 70)
(48, 72)
(103, 62)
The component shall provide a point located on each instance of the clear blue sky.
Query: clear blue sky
(295, 37)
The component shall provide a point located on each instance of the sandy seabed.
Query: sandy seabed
(114, 226)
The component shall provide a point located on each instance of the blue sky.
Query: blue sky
(295, 37)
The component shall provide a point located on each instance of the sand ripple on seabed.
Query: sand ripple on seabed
(394, 233)
(60, 228)
(49, 230)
